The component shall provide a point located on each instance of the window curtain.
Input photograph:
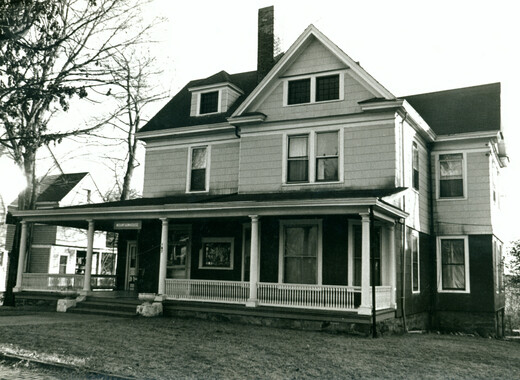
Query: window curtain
(301, 253)
(453, 266)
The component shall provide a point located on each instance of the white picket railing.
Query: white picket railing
(51, 282)
(328, 297)
(383, 297)
(207, 290)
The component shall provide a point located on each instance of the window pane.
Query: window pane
(327, 169)
(198, 180)
(217, 255)
(299, 91)
(415, 166)
(198, 158)
(451, 188)
(298, 171)
(327, 88)
(450, 166)
(452, 251)
(298, 146)
(453, 277)
(209, 102)
(300, 253)
(327, 144)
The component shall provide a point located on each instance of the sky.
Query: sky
(409, 46)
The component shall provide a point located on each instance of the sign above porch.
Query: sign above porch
(128, 225)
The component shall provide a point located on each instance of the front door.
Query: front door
(132, 265)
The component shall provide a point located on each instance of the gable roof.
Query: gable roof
(176, 113)
(461, 110)
(55, 187)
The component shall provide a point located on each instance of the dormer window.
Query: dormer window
(313, 89)
(208, 102)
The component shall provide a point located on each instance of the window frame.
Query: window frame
(189, 168)
(415, 235)
(440, 289)
(312, 158)
(313, 87)
(281, 247)
(199, 102)
(229, 240)
(299, 158)
(415, 153)
(180, 228)
(438, 176)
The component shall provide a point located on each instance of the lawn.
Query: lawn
(168, 348)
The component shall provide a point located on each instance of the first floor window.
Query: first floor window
(298, 159)
(216, 253)
(199, 158)
(178, 247)
(375, 279)
(208, 102)
(451, 177)
(63, 264)
(327, 154)
(453, 264)
(300, 254)
(415, 261)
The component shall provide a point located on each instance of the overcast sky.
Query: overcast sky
(408, 46)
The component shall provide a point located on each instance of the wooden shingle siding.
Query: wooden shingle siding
(315, 58)
(370, 156)
(39, 260)
(165, 172)
(261, 163)
(472, 215)
(224, 167)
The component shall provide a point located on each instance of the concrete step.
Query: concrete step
(107, 306)
(108, 312)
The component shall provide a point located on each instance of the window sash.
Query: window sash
(300, 254)
(299, 91)
(453, 264)
(327, 156)
(415, 263)
(451, 175)
(327, 88)
(199, 159)
(415, 166)
(298, 159)
(208, 102)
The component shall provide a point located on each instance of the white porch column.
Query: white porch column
(365, 307)
(21, 257)
(253, 271)
(164, 257)
(391, 266)
(88, 263)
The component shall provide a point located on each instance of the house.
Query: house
(62, 250)
(307, 190)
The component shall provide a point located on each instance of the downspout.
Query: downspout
(433, 280)
(403, 232)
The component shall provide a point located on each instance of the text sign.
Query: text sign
(127, 225)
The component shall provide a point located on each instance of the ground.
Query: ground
(171, 348)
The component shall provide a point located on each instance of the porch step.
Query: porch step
(121, 307)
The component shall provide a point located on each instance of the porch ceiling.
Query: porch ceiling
(229, 205)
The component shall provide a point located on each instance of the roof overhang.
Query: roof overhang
(187, 131)
(215, 86)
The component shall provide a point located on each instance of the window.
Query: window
(313, 157)
(300, 252)
(414, 249)
(216, 253)
(415, 166)
(208, 102)
(376, 240)
(299, 91)
(199, 161)
(327, 156)
(499, 266)
(178, 248)
(451, 176)
(313, 89)
(63, 264)
(327, 88)
(454, 265)
(298, 159)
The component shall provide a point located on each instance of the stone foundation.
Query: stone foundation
(483, 324)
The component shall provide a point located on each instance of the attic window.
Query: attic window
(314, 89)
(208, 102)
(299, 91)
(327, 88)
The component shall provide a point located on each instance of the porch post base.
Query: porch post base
(64, 304)
(17, 289)
(364, 310)
(251, 303)
(148, 309)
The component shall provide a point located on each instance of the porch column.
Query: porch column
(21, 257)
(366, 304)
(88, 263)
(391, 267)
(253, 271)
(164, 257)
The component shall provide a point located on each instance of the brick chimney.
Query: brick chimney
(265, 60)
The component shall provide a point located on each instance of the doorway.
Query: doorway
(132, 265)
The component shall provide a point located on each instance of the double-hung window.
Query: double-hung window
(414, 249)
(198, 169)
(451, 175)
(415, 166)
(313, 157)
(314, 89)
(453, 257)
(375, 256)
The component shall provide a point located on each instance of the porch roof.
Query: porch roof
(224, 205)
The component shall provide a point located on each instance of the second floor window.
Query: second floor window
(451, 176)
(415, 166)
(298, 159)
(327, 156)
(208, 102)
(199, 158)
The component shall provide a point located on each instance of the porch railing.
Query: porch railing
(207, 290)
(328, 297)
(51, 282)
(383, 297)
(59, 282)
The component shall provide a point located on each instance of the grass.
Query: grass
(168, 348)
